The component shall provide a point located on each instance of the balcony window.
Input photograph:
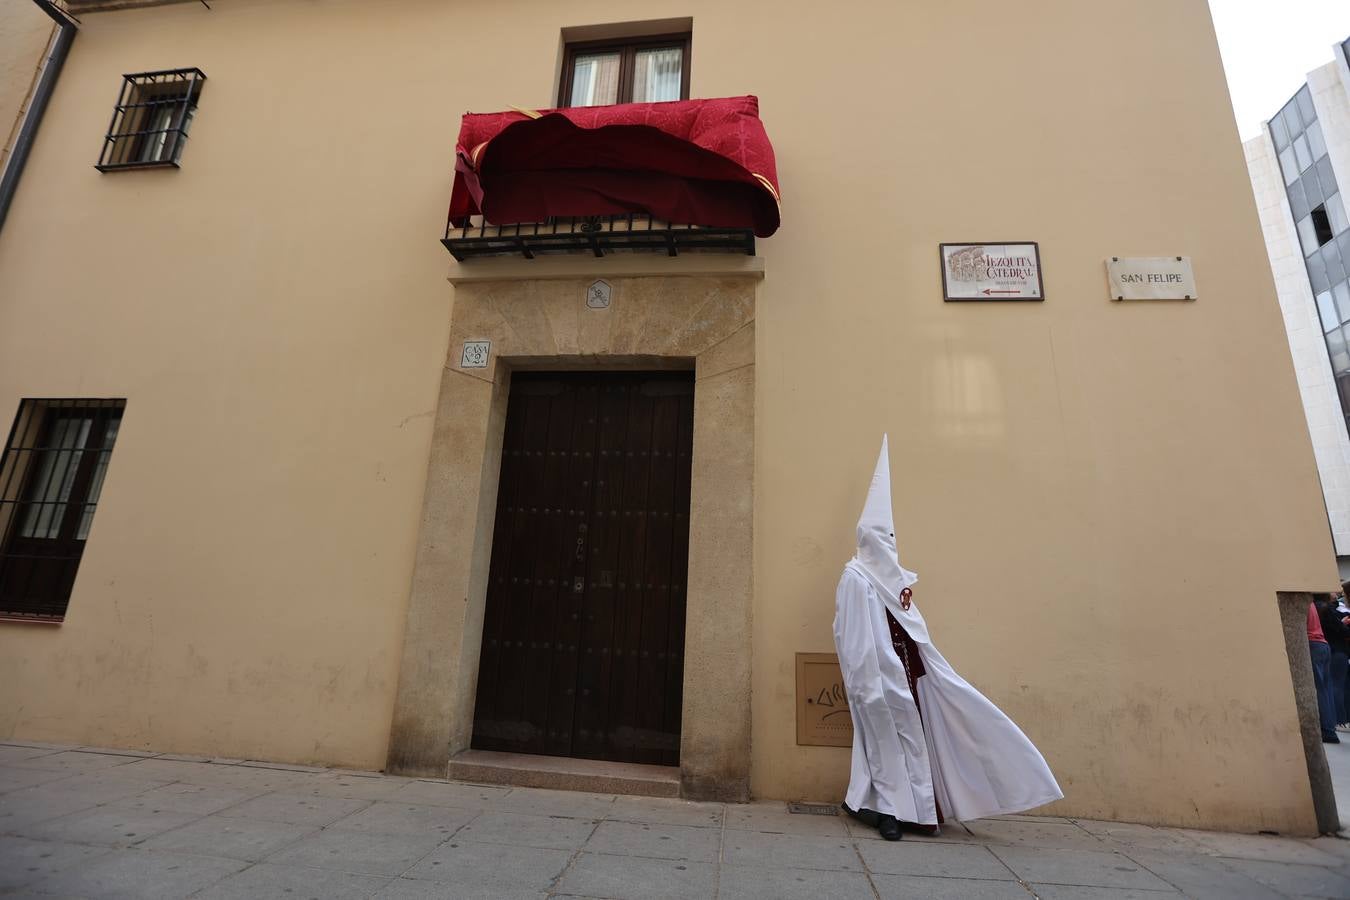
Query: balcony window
(652, 70)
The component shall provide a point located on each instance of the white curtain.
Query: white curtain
(595, 79)
(657, 75)
(55, 478)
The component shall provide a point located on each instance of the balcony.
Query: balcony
(613, 179)
(597, 235)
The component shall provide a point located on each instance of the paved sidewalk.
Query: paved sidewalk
(89, 823)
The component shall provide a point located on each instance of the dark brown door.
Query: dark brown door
(583, 640)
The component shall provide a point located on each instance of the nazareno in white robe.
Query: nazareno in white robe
(963, 752)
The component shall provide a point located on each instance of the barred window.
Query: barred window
(150, 123)
(51, 476)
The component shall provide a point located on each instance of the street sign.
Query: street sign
(1010, 271)
(1151, 278)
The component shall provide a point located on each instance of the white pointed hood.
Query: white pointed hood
(876, 530)
(877, 558)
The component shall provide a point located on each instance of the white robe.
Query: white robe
(964, 752)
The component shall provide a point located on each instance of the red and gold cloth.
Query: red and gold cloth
(694, 162)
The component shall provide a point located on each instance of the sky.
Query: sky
(1268, 48)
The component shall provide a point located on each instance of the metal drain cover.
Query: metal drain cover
(813, 809)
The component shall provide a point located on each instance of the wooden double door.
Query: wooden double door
(583, 638)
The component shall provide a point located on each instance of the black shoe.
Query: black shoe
(865, 816)
(889, 827)
(1330, 738)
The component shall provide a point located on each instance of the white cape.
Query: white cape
(964, 752)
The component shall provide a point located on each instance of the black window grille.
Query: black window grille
(51, 476)
(150, 123)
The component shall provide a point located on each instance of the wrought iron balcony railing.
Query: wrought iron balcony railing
(599, 235)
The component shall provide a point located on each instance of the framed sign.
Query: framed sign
(1009, 271)
(823, 718)
(1151, 278)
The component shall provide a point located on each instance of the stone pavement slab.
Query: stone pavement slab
(114, 825)
(940, 860)
(247, 839)
(1295, 880)
(1202, 877)
(358, 852)
(272, 882)
(744, 883)
(403, 818)
(83, 823)
(1087, 868)
(24, 861)
(655, 841)
(797, 851)
(544, 832)
(908, 887)
(630, 878)
(492, 867)
(138, 875)
(296, 809)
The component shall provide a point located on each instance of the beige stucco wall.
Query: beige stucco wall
(1101, 499)
(25, 32)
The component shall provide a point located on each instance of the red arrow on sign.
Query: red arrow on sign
(988, 291)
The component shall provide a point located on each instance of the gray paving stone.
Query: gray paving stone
(1047, 835)
(910, 887)
(799, 851)
(248, 839)
(1126, 836)
(407, 889)
(102, 787)
(546, 832)
(1262, 847)
(168, 770)
(113, 825)
(1295, 879)
(939, 860)
(774, 818)
(492, 867)
(295, 809)
(293, 883)
(202, 799)
(402, 818)
(742, 883)
(1081, 867)
(1079, 892)
(354, 787)
(656, 841)
(540, 802)
(1203, 877)
(664, 811)
(12, 778)
(23, 861)
(10, 753)
(441, 793)
(138, 875)
(358, 852)
(75, 761)
(629, 878)
(22, 809)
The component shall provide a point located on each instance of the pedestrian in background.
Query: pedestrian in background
(1320, 652)
(1338, 643)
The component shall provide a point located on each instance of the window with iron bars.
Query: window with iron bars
(150, 123)
(51, 476)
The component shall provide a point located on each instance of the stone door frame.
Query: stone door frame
(703, 322)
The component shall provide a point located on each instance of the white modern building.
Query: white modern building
(1298, 167)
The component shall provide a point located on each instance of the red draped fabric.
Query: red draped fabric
(695, 162)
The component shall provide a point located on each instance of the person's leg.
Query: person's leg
(1321, 659)
(1339, 663)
